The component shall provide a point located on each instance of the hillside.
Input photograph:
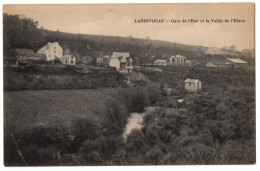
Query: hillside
(25, 33)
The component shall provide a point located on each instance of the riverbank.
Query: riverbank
(135, 121)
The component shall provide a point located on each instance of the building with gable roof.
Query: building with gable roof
(179, 60)
(51, 50)
(160, 62)
(121, 61)
(192, 84)
(68, 60)
(236, 63)
(216, 63)
(27, 57)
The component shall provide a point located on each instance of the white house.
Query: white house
(216, 64)
(160, 62)
(179, 60)
(68, 60)
(192, 84)
(121, 61)
(51, 50)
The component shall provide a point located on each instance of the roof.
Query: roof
(124, 59)
(191, 80)
(28, 53)
(160, 60)
(237, 61)
(180, 56)
(49, 45)
(120, 53)
(218, 62)
(66, 56)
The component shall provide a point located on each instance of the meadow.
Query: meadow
(51, 122)
(85, 126)
(53, 106)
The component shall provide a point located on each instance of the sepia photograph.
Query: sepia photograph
(129, 84)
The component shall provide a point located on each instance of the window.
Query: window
(66, 61)
(54, 47)
(122, 65)
(55, 51)
(189, 83)
(72, 62)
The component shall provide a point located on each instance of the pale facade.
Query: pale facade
(192, 84)
(68, 60)
(216, 64)
(160, 62)
(121, 61)
(51, 50)
(179, 60)
(211, 65)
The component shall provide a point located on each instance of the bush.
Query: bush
(135, 142)
(154, 156)
(115, 119)
(37, 156)
(135, 99)
(39, 135)
(83, 129)
(99, 150)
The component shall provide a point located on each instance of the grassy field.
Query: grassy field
(23, 109)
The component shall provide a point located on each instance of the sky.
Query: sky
(120, 20)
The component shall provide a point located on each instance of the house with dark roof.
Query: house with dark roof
(28, 57)
(236, 63)
(228, 62)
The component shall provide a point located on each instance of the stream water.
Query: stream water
(135, 121)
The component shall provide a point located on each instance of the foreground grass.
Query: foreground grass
(25, 108)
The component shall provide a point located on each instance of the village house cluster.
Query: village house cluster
(177, 60)
(121, 61)
(228, 62)
(53, 52)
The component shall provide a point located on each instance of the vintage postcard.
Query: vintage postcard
(129, 84)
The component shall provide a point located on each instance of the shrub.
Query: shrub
(135, 99)
(37, 156)
(135, 142)
(116, 117)
(83, 129)
(100, 149)
(39, 135)
(154, 155)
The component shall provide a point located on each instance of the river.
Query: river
(135, 121)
